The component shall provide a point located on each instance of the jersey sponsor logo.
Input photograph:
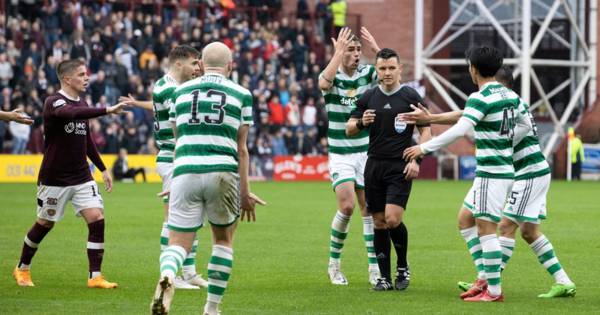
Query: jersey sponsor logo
(70, 127)
(79, 128)
(59, 103)
(348, 101)
(399, 125)
(387, 106)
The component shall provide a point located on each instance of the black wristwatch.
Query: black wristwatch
(359, 124)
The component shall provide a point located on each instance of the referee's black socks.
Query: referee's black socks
(381, 241)
(399, 236)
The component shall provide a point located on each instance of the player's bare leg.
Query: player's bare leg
(544, 250)
(345, 197)
(171, 259)
(368, 235)
(34, 237)
(95, 248)
(507, 230)
(219, 267)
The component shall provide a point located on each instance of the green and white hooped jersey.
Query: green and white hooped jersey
(340, 100)
(163, 132)
(493, 110)
(208, 112)
(528, 159)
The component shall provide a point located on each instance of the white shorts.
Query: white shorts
(487, 197)
(347, 167)
(527, 200)
(52, 200)
(165, 170)
(195, 196)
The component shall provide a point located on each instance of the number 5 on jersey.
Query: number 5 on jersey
(217, 100)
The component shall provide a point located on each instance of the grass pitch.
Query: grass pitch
(280, 261)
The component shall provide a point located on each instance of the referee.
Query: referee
(388, 179)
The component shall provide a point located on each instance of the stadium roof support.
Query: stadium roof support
(583, 53)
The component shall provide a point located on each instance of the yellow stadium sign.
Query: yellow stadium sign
(25, 168)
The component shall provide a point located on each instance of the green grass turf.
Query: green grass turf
(281, 260)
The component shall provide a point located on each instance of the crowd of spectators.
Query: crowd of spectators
(277, 57)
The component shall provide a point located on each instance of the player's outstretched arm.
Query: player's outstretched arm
(16, 115)
(130, 100)
(117, 109)
(328, 75)
(460, 129)
(422, 115)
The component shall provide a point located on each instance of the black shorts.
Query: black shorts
(385, 184)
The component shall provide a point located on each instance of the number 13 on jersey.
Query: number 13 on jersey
(217, 101)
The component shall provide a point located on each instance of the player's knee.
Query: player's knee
(379, 222)
(392, 221)
(347, 208)
(528, 234)
(45, 223)
(465, 219)
(505, 228)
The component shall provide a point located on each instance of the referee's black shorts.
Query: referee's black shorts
(385, 184)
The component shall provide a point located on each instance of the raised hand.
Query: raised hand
(343, 40)
(369, 39)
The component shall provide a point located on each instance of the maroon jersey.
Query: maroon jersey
(68, 141)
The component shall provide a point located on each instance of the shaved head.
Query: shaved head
(216, 55)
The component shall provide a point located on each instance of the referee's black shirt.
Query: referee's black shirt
(388, 136)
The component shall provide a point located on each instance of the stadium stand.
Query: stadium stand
(125, 44)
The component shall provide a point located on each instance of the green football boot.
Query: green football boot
(560, 290)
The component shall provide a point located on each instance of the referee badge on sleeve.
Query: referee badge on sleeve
(399, 125)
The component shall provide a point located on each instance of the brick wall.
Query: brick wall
(392, 22)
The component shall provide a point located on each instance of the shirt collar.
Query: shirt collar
(63, 93)
(483, 87)
(389, 93)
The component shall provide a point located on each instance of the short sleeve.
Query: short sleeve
(474, 110)
(362, 104)
(523, 108)
(172, 112)
(247, 110)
